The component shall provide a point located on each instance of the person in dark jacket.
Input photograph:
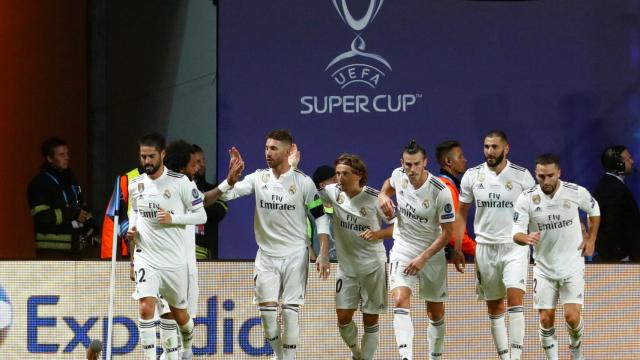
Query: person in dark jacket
(618, 238)
(207, 234)
(59, 213)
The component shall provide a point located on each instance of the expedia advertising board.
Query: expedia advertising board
(367, 76)
(52, 310)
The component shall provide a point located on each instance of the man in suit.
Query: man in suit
(618, 234)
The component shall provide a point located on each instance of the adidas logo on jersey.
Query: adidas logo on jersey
(537, 209)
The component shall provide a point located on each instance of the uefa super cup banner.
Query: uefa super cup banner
(367, 76)
(52, 310)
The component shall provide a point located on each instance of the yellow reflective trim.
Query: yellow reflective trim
(53, 241)
(39, 208)
(223, 204)
(58, 216)
(202, 253)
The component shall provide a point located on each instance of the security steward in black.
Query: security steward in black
(62, 225)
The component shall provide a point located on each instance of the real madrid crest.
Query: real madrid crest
(265, 177)
(292, 189)
(508, 185)
(481, 176)
(141, 188)
(567, 204)
(536, 199)
(167, 194)
(363, 211)
(340, 199)
(405, 183)
(425, 203)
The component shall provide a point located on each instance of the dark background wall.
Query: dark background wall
(43, 92)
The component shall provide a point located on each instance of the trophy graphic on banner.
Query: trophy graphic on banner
(356, 65)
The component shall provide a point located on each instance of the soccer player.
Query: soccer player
(163, 203)
(547, 218)
(361, 254)
(181, 157)
(283, 196)
(501, 265)
(423, 227)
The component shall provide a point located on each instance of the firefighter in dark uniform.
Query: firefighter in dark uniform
(61, 222)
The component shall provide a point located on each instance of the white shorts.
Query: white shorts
(192, 298)
(500, 267)
(171, 284)
(371, 289)
(432, 277)
(546, 292)
(281, 278)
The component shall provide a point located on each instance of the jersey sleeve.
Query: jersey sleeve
(527, 180)
(587, 203)
(521, 215)
(446, 210)
(193, 201)
(241, 188)
(396, 175)
(466, 188)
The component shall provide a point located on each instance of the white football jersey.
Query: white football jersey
(558, 254)
(163, 246)
(280, 219)
(352, 216)
(494, 197)
(420, 213)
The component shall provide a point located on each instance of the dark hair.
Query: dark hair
(153, 140)
(612, 159)
(357, 165)
(178, 155)
(413, 148)
(281, 135)
(197, 149)
(548, 159)
(497, 133)
(49, 146)
(443, 149)
(323, 173)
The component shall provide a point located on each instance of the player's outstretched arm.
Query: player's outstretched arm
(460, 224)
(379, 235)
(441, 241)
(236, 166)
(384, 199)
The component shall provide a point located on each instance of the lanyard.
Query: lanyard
(64, 193)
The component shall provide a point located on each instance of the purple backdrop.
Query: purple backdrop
(556, 76)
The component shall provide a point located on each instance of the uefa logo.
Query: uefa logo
(357, 66)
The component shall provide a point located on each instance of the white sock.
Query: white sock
(435, 335)
(575, 335)
(516, 331)
(187, 335)
(291, 331)
(403, 327)
(499, 334)
(548, 341)
(147, 331)
(349, 334)
(370, 341)
(169, 338)
(271, 328)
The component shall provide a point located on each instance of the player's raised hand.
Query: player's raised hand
(294, 156)
(323, 266)
(236, 166)
(164, 217)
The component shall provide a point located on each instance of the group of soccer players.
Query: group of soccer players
(512, 214)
